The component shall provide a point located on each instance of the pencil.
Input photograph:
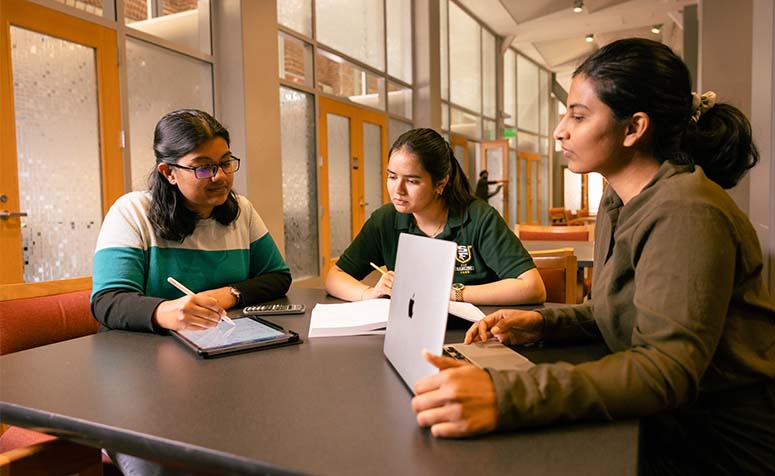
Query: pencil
(189, 292)
(377, 268)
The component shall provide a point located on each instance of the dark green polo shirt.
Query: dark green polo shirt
(487, 250)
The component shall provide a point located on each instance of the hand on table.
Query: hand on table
(458, 401)
(508, 326)
(383, 288)
(195, 312)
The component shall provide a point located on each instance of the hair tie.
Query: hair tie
(701, 104)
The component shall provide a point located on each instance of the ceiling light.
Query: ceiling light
(589, 38)
(656, 29)
(578, 6)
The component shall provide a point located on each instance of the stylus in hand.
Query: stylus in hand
(189, 292)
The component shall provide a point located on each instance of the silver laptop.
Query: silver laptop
(418, 313)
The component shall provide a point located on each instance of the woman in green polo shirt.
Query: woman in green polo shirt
(430, 196)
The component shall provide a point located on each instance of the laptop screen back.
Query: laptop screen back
(419, 304)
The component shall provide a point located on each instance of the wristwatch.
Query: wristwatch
(458, 288)
(237, 295)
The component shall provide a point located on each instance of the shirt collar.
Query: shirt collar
(456, 219)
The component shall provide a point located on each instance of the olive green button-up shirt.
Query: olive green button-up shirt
(679, 299)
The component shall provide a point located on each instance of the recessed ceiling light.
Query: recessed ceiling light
(578, 6)
(656, 29)
(589, 38)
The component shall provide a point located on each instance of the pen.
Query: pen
(189, 292)
(377, 268)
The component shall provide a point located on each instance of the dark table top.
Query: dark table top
(327, 406)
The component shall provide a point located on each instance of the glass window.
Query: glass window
(444, 47)
(399, 39)
(445, 116)
(527, 142)
(299, 163)
(543, 98)
(354, 27)
(489, 129)
(341, 78)
(527, 94)
(488, 74)
(181, 21)
(395, 129)
(469, 125)
(296, 15)
(95, 7)
(399, 100)
(58, 159)
(295, 57)
(159, 81)
(510, 87)
(465, 70)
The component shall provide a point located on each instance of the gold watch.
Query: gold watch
(237, 295)
(458, 288)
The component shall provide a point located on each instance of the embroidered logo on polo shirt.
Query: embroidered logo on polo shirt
(463, 257)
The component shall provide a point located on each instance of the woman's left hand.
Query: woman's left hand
(458, 401)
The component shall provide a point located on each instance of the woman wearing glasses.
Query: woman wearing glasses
(190, 226)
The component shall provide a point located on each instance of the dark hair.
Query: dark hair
(483, 173)
(639, 75)
(437, 158)
(176, 134)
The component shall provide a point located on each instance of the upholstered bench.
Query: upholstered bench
(32, 322)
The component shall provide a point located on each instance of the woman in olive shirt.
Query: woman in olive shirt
(678, 294)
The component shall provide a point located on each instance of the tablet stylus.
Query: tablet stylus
(189, 292)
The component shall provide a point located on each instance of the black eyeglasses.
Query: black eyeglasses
(209, 171)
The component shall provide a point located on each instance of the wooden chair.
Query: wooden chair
(583, 221)
(54, 457)
(555, 233)
(559, 270)
(557, 216)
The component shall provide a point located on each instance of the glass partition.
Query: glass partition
(160, 81)
(183, 22)
(341, 78)
(399, 100)
(300, 205)
(354, 27)
(527, 95)
(296, 15)
(295, 58)
(488, 74)
(399, 39)
(465, 70)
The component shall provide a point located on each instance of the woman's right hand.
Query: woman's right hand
(508, 326)
(194, 313)
(383, 288)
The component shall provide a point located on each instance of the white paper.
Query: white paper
(466, 310)
(350, 318)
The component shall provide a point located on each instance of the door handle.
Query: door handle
(5, 214)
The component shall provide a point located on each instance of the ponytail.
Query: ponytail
(457, 193)
(721, 142)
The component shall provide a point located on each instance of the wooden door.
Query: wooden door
(529, 183)
(495, 160)
(60, 146)
(353, 150)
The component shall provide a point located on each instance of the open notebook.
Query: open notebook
(368, 317)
